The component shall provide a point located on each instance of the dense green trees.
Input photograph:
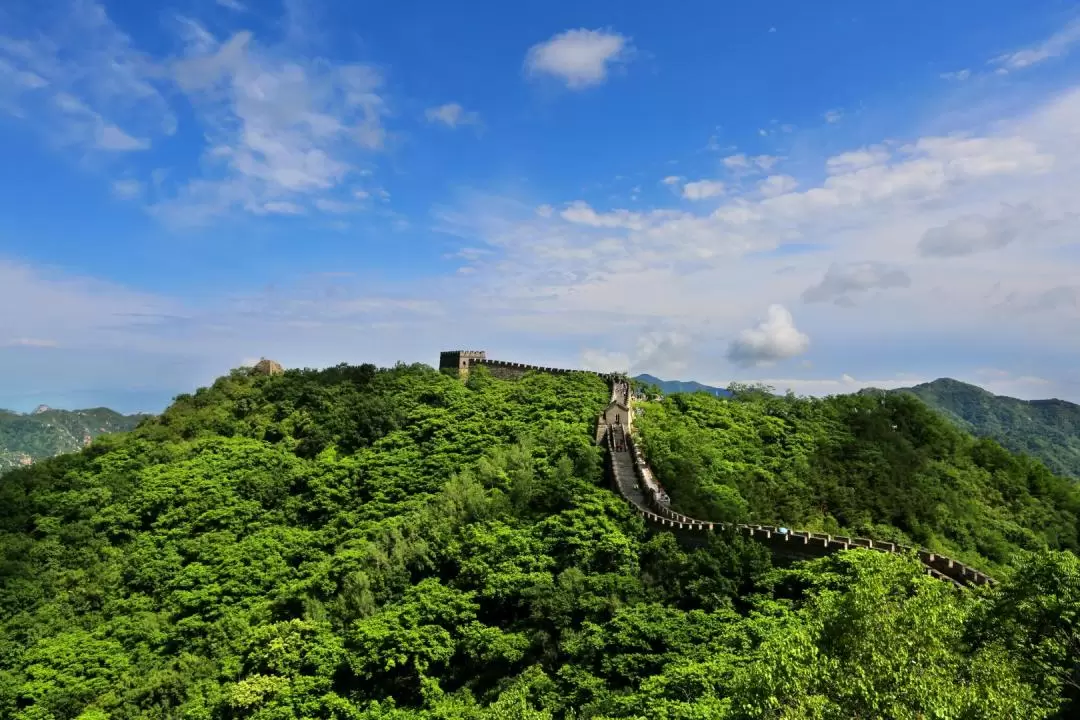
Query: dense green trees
(388, 544)
(1048, 430)
(877, 465)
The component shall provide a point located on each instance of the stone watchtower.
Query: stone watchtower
(267, 367)
(458, 361)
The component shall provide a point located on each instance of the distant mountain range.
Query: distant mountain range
(687, 386)
(45, 432)
(1048, 430)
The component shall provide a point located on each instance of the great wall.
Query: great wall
(632, 478)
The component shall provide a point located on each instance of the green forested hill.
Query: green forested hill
(1045, 429)
(360, 543)
(48, 432)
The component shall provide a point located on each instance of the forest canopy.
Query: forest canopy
(369, 543)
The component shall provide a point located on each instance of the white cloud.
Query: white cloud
(855, 160)
(580, 58)
(843, 281)
(603, 361)
(280, 127)
(76, 74)
(765, 162)
(581, 213)
(959, 75)
(742, 162)
(702, 189)
(31, 342)
(126, 343)
(833, 116)
(736, 161)
(452, 115)
(777, 185)
(234, 5)
(336, 206)
(110, 137)
(970, 234)
(281, 207)
(776, 338)
(672, 180)
(1058, 44)
(127, 189)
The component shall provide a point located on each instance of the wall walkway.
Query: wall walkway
(634, 480)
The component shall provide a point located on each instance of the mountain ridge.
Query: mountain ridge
(28, 437)
(1046, 429)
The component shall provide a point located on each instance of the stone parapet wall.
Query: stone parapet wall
(792, 542)
(638, 485)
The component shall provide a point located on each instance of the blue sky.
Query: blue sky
(819, 196)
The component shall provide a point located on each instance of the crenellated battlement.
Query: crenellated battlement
(636, 482)
(462, 360)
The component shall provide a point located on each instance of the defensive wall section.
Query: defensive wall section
(795, 543)
(462, 360)
(632, 478)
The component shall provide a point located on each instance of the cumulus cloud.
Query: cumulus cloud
(452, 115)
(581, 58)
(776, 338)
(843, 281)
(672, 180)
(1058, 44)
(834, 116)
(969, 234)
(702, 189)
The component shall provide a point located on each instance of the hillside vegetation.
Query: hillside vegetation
(372, 544)
(1045, 429)
(877, 465)
(26, 438)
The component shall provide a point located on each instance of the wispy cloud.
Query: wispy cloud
(82, 80)
(283, 130)
(959, 75)
(1058, 44)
